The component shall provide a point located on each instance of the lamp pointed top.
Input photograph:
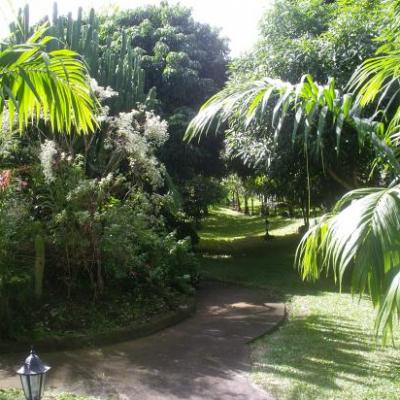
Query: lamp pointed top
(33, 365)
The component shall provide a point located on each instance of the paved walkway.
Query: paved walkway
(205, 357)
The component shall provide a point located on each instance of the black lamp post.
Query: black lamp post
(32, 375)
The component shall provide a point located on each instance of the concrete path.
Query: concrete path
(205, 357)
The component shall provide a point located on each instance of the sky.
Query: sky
(238, 19)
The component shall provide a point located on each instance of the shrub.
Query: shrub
(86, 216)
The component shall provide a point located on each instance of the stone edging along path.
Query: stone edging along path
(205, 357)
(76, 341)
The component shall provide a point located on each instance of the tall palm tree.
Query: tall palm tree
(362, 233)
(37, 84)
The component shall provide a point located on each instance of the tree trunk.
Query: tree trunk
(246, 205)
(40, 252)
(262, 208)
(306, 213)
(291, 210)
(239, 207)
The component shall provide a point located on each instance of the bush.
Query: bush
(86, 219)
(16, 286)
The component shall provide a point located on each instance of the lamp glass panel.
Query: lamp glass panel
(25, 386)
(43, 377)
(36, 381)
(33, 386)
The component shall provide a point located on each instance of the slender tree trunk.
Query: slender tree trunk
(305, 212)
(246, 204)
(308, 203)
(97, 263)
(40, 253)
(239, 207)
(291, 210)
(252, 206)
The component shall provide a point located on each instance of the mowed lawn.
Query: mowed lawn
(16, 394)
(327, 349)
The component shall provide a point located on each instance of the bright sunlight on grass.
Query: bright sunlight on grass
(327, 349)
(14, 394)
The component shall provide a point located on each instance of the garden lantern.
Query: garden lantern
(32, 375)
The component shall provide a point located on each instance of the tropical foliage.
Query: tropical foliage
(53, 86)
(66, 199)
(111, 60)
(361, 236)
(180, 56)
(152, 55)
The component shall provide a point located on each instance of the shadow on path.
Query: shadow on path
(204, 357)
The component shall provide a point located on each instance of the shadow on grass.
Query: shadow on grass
(254, 261)
(340, 351)
(328, 348)
(225, 224)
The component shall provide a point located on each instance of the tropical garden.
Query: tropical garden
(139, 160)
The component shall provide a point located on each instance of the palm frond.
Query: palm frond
(52, 85)
(376, 80)
(361, 238)
(306, 104)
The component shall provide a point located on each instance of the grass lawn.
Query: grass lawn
(327, 349)
(14, 394)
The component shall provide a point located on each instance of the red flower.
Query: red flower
(5, 178)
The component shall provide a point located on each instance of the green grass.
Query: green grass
(327, 349)
(15, 394)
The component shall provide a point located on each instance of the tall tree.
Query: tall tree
(317, 37)
(186, 61)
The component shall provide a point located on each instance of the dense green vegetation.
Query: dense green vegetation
(89, 210)
(359, 236)
(101, 198)
(327, 348)
(65, 203)
(179, 56)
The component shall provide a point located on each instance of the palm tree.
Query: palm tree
(361, 235)
(37, 84)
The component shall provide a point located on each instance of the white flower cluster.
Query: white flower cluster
(91, 187)
(125, 122)
(155, 129)
(102, 93)
(5, 121)
(137, 134)
(48, 151)
(139, 140)
(106, 182)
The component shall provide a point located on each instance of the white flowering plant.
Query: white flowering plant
(103, 206)
(109, 199)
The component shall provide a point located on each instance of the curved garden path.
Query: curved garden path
(204, 357)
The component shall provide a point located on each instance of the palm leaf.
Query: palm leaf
(361, 238)
(50, 85)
